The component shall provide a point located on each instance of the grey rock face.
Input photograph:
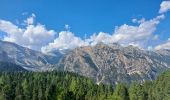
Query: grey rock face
(113, 63)
(10, 67)
(27, 58)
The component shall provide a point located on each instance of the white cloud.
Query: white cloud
(164, 7)
(65, 40)
(150, 48)
(128, 34)
(101, 37)
(33, 36)
(165, 45)
(138, 21)
(30, 20)
(67, 27)
(11, 30)
(37, 37)
(125, 34)
(155, 37)
(134, 20)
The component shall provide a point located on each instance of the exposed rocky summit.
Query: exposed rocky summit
(114, 63)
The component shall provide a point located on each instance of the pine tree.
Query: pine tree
(18, 92)
(26, 90)
(136, 92)
(121, 92)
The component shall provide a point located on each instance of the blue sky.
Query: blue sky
(84, 16)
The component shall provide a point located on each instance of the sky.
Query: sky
(66, 24)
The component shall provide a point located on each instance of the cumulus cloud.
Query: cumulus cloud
(127, 33)
(101, 37)
(32, 36)
(65, 40)
(165, 45)
(30, 20)
(164, 7)
(138, 21)
(37, 37)
(124, 34)
(11, 30)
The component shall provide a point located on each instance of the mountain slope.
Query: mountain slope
(113, 63)
(27, 58)
(103, 63)
(10, 67)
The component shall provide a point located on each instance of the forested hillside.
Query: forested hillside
(70, 86)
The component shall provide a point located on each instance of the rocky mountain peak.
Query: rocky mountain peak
(113, 63)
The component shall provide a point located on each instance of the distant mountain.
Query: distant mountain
(27, 58)
(10, 67)
(114, 63)
(110, 63)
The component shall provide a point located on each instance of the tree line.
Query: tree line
(71, 86)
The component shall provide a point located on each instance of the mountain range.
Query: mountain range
(29, 59)
(106, 63)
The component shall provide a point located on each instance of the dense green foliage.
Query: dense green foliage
(70, 86)
(50, 86)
